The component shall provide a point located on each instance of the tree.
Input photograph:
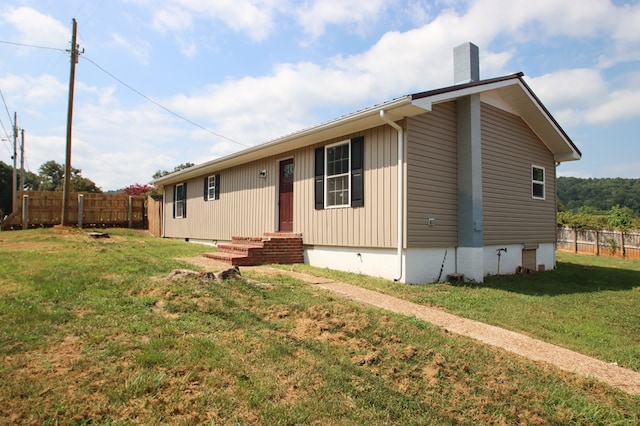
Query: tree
(599, 194)
(620, 218)
(51, 178)
(159, 173)
(6, 180)
(138, 189)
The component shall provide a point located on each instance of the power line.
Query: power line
(32, 46)
(6, 108)
(4, 129)
(175, 114)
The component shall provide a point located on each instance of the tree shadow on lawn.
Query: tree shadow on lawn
(567, 278)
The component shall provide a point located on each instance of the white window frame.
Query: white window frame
(211, 187)
(180, 202)
(535, 182)
(346, 199)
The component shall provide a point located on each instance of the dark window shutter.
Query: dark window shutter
(319, 178)
(217, 189)
(357, 172)
(206, 188)
(184, 197)
(175, 198)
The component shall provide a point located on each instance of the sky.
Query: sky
(165, 82)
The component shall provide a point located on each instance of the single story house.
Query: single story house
(457, 180)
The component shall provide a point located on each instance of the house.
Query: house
(459, 180)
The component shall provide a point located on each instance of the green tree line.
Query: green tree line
(598, 196)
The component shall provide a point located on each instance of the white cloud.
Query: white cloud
(35, 28)
(583, 96)
(33, 92)
(570, 87)
(316, 15)
(252, 17)
(619, 105)
(138, 50)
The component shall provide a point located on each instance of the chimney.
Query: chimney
(466, 63)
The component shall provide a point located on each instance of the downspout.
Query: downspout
(400, 231)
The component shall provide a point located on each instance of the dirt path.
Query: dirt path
(537, 350)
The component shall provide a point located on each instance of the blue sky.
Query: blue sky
(245, 72)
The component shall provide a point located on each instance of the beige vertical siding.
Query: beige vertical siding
(247, 204)
(373, 225)
(509, 149)
(432, 178)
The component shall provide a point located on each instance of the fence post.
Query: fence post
(25, 212)
(624, 250)
(130, 211)
(597, 243)
(575, 240)
(80, 209)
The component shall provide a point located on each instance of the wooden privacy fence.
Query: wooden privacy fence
(154, 215)
(600, 243)
(44, 208)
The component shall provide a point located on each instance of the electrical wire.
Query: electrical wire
(32, 46)
(6, 141)
(6, 109)
(4, 129)
(175, 114)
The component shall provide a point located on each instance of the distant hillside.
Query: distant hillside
(600, 194)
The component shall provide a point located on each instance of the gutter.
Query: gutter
(400, 231)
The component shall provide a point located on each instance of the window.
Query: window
(537, 182)
(211, 187)
(180, 200)
(337, 176)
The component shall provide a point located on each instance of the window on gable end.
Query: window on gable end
(538, 182)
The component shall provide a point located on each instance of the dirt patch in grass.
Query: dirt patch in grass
(10, 288)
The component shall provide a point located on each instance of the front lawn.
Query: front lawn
(93, 331)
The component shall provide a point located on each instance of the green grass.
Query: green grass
(94, 332)
(589, 304)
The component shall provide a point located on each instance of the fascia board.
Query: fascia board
(367, 118)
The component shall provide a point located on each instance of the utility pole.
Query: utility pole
(67, 165)
(14, 186)
(21, 158)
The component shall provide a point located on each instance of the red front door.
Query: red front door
(286, 196)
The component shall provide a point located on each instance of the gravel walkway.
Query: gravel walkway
(537, 350)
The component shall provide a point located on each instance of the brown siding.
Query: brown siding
(509, 149)
(247, 204)
(432, 178)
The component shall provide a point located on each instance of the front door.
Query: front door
(286, 196)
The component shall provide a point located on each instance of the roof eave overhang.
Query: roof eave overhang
(522, 100)
(396, 109)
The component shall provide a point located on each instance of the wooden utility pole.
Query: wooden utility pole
(67, 165)
(21, 159)
(14, 185)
